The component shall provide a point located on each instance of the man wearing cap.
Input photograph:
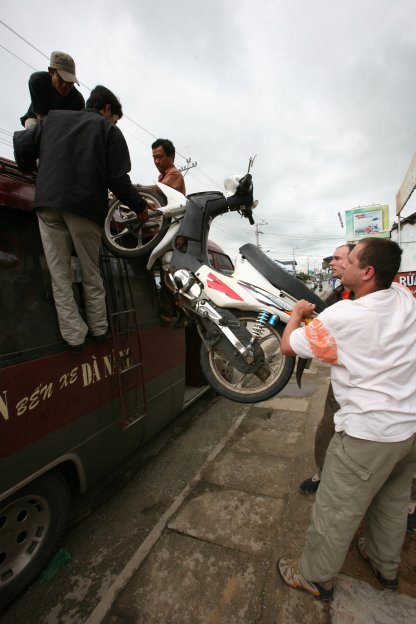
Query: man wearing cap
(53, 90)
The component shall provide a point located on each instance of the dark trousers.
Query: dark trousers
(326, 428)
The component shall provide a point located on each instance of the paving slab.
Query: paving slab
(262, 474)
(270, 442)
(286, 403)
(266, 418)
(187, 581)
(231, 518)
(356, 602)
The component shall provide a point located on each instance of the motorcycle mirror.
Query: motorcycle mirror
(251, 162)
(231, 184)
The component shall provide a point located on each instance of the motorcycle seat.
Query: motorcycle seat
(278, 277)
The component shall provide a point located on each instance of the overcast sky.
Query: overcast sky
(323, 91)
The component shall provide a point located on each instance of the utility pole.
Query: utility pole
(188, 166)
(261, 222)
(294, 259)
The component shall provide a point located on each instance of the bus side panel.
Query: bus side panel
(40, 396)
(95, 442)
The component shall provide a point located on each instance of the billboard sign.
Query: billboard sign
(367, 221)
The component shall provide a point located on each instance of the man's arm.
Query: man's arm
(302, 310)
(119, 181)
(40, 87)
(26, 145)
(28, 115)
(124, 190)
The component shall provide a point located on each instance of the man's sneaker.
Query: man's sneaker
(391, 584)
(411, 522)
(311, 485)
(74, 348)
(289, 572)
(102, 337)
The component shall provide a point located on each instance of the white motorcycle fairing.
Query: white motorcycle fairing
(176, 206)
(246, 289)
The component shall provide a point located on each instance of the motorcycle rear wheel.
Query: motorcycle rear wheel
(131, 239)
(248, 387)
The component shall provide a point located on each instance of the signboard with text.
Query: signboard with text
(407, 186)
(407, 278)
(367, 221)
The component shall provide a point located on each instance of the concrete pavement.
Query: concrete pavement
(211, 559)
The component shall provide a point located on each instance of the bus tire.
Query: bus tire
(132, 240)
(32, 522)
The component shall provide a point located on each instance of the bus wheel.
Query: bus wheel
(126, 238)
(31, 523)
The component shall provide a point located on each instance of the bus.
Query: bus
(66, 419)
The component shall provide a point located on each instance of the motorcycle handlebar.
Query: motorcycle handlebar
(245, 183)
(243, 197)
(248, 214)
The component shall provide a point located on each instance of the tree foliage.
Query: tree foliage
(304, 277)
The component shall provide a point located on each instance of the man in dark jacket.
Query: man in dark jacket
(81, 155)
(53, 90)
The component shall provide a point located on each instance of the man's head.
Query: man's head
(104, 101)
(339, 259)
(372, 265)
(163, 152)
(62, 71)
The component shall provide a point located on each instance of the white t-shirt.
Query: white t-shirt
(371, 346)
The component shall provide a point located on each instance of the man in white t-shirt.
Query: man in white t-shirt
(371, 345)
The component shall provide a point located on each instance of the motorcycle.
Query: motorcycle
(240, 317)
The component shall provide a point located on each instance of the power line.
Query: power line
(15, 56)
(144, 129)
(23, 39)
(286, 220)
(240, 229)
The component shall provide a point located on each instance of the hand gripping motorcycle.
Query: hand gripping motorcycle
(240, 317)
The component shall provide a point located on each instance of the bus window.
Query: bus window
(28, 320)
(219, 260)
(224, 264)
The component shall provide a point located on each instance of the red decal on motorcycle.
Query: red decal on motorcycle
(216, 284)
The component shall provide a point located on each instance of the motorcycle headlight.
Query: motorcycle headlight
(187, 283)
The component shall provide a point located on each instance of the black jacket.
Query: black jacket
(81, 155)
(336, 295)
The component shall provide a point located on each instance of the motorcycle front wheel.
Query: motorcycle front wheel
(124, 236)
(271, 378)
